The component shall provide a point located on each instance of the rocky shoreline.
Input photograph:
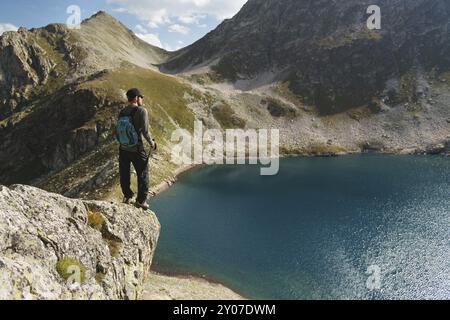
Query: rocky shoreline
(170, 287)
(160, 286)
(439, 149)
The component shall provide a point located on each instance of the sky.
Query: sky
(170, 24)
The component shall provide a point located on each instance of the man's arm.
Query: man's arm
(144, 126)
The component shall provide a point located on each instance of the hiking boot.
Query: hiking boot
(127, 200)
(144, 206)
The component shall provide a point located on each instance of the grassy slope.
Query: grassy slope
(165, 101)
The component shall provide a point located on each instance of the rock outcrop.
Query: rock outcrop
(23, 65)
(59, 131)
(52, 247)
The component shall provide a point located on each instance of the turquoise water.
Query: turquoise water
(314, 230)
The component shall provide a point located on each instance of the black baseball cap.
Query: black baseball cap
(133, 93)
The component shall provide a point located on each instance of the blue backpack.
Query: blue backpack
(127, 134)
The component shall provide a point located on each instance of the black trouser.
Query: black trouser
(140, 164)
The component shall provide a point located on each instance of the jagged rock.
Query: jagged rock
(23, 65)
(440, 148)
(375, 106)
(447, 148)
(372, 146)
(56, 136)
(112, 245)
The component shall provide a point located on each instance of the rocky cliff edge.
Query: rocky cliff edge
(52, 247)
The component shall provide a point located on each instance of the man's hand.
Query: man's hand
(154, 145)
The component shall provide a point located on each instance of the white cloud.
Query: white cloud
(141, 29)
(163, 12)
(150, 38)
(154, 40)
(120, 10)
(177, 28)
(192, 18)
(168, 47)
(7, 27)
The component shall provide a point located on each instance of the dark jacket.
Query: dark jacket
(141, 123)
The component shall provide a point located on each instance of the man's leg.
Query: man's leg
(125, 175)
(140, 163)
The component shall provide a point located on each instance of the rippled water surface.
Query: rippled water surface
(314, 230)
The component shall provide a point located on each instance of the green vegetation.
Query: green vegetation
(331, 42)
(407, 93)
(370, 34)
(96, 220)
(167, 101)
(408, 88)
(375, 106)
(359, 113)
(318, 149)
(279, 109)
(372, 146)
(315, 149)
(16, 117)
(207, 78)
(285, 90)
(445, 78)
(61, 182)
(164, 95)
(99, 276)
(77, 51)
(227, 68)
(227, 118)
(61, 69)
(71, 268)
(328, 43)
(114, 247)
(294, 91)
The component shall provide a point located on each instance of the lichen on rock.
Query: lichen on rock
(45, 238)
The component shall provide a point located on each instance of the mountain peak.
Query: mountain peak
(102, 13)
(101, 16)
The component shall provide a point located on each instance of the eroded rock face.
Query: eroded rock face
(110, 246)
(23, 65)
(57, 134)
(324, 48)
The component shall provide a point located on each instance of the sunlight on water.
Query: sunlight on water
(314, 230)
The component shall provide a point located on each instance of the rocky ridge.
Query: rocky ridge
(36, 62)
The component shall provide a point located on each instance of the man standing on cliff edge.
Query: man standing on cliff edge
(133, 124)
